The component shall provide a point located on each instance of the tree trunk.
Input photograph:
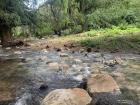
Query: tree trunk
(84, 25)
(6, 36)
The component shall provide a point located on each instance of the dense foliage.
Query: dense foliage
(74, 16)
(67, 16)
(14, 13)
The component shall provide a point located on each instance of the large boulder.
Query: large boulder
(67, 97)
(102, 83)
(103, 89)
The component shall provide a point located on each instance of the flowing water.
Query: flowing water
(23, 72)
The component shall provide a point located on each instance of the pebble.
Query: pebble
(18, 52)
(63, 55)
(8, 48)
(77, 61)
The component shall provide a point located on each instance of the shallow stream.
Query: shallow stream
(26, 76)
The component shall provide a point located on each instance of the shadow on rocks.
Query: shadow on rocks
(6, 102)
(105, 99)
(113, 99)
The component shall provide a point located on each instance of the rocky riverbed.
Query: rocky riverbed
(27, 76)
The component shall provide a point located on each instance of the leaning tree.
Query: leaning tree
(13, 13)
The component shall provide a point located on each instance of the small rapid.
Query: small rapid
(27, 76)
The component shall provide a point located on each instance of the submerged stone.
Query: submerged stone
(63, 55)
(53, 65)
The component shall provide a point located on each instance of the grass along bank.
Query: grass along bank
(113, 39)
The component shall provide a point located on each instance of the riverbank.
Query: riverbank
(107, 40)
(63, 62)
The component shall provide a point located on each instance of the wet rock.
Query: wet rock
(96, 55)
(80, 73)
(73, 52)
(28, 99)
(76, 68)
(65, 45)
(67, 49)
(105, 99)
(85, 72)
(96, 67)
(86, 55)
(139, 53)
(18, 52)
(47, 47)
(82, 50)
(53, 65)
(43, 87)
(130, 96)
(113, 62)
(78, 78)
(118, 76)
(87, 60)
(49, 61)
(72, 46)
(102, 83)
(58, 49)
(8, 48)
(12, 60)
(28, 59)
(42, 38)
(23, 60)
(103, 89)
(67, 97)
(95, 71)
(115, 51)
(77, 61)
(97, 50)
(83, 84)
(118, 60)
(89, 50)
(45, 50)
(64, 67)
(19, 43)
(27, 45)
(63, 55)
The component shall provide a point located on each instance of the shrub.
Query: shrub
(117, 14)
(76, 29)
